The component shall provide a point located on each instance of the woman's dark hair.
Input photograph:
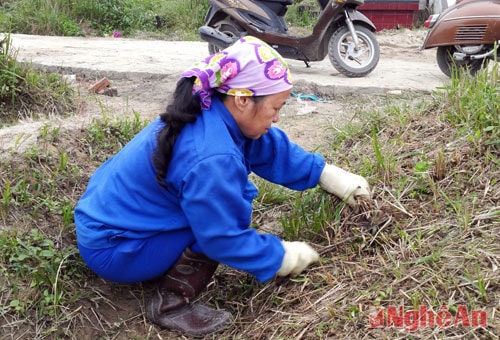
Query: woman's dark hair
(184, 108)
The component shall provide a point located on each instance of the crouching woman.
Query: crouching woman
(176, 200)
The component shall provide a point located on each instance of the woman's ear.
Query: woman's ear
(238, 106)
(242, 102)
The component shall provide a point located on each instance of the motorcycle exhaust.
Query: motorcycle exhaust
(215, 37)
(459, 56)
(482, 56)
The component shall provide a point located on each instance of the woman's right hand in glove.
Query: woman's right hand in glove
(298, 256)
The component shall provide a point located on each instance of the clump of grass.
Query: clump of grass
(107, 17)
(90, 17)
(303, 13)
(9, 78)
(181, 19)
(42, 274)
(74, 18)
(33, 262)
(173, 20)
(38, 17)
(435, 170)
(27, 92)
(474, 106)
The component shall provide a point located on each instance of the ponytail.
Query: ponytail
(184, 108)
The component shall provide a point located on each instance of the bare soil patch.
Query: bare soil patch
(148, 97)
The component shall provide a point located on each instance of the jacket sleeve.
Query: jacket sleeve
(275, 158)
(217, 201)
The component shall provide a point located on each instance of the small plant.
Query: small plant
(312, 212)
(34, 263)
(474, 106)
(26, 92)
(303, 13)
(385, 164)
(107, 136)
(6, 196)
(9, 77)
(107, 17)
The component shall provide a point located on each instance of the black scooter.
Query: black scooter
(345, 34)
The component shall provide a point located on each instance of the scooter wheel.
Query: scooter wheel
(448, 65)
(229, 28)
(349, 61)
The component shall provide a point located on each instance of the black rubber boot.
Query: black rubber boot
(171, 307)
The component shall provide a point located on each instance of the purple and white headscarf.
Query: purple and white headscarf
(249, 67)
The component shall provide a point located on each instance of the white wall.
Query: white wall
(437, 6)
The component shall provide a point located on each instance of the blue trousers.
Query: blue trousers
(136, 260)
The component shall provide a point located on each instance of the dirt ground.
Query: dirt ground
(305, 120)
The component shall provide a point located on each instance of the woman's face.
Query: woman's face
(255, 117)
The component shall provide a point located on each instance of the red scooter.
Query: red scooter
(345, 34)
(466, 35)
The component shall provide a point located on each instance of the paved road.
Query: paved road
(119, 58)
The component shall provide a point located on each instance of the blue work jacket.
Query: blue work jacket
(208, 190)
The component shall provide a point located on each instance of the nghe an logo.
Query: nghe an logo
(414, 319)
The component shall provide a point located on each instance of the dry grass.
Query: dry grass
(431, 238)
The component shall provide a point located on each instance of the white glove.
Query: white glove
(343, 184)
(298, 255)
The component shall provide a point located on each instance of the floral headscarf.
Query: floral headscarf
(249, 67)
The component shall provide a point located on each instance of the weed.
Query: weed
(26, 92)
(47, 269)
(5, 201)
(108, 136)
(311, 213)
(9, 77)
(474, 105)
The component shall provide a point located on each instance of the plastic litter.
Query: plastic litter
(308, 96)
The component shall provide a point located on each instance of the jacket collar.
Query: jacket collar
(218, 108)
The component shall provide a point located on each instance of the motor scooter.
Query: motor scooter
(466, 34)
(345, 34)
